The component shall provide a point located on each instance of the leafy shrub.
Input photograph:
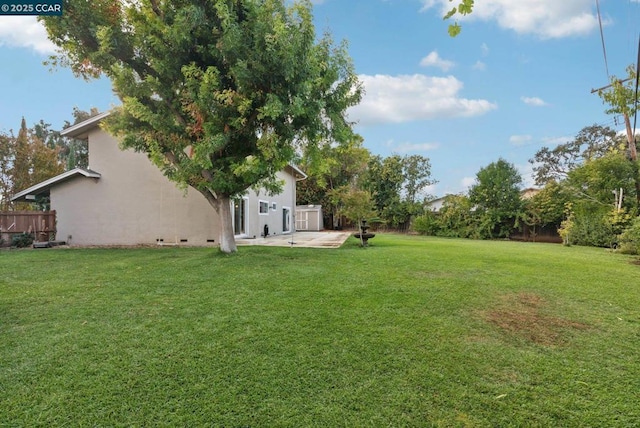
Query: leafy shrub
(22, 240)
(592, 230)
(426, 224)
(565, 230)
(629, 242)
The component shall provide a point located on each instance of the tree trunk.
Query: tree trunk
(222, 205)
(227, 238)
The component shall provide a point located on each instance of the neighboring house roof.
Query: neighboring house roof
(43, 187)
(529, 193)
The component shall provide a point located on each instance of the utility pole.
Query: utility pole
(631, 140)
(633, 153)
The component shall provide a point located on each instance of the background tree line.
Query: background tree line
(36, 154)
(352, 184)
(588, 189)
(587, 194)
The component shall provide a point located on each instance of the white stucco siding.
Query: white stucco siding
(132, 203)
(274, 218)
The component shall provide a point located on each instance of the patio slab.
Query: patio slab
(328, 239)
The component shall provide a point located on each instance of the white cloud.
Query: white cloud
(411, 147)
(485, 49)
(467, 182)
(434, 60)
(519, 140)
(554, 141)
(533, 101)
(526, 172)
(405, 98)
(479, 65)
(24, 32)
(545, 18)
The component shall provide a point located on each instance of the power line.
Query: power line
(604, 49)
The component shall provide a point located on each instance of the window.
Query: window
(264, 207)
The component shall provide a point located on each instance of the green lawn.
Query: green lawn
(411, 331)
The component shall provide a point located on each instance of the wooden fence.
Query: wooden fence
(42, 224)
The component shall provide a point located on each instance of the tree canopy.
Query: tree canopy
(25, 160)
(496, 196)
(592, 142)
(219, 94)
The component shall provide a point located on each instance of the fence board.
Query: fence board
(41, 223)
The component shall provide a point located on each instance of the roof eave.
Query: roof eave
(298, 173)
(80, 130)
(44, 186)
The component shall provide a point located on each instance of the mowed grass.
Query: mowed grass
(411, 331)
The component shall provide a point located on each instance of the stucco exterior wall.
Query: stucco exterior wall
(274, 218)
(134, 203)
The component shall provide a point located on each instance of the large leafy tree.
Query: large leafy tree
(603, 199)
(417, 177)
(30, 162)
(384, 181)
(396, 183)
(331, 175)
(6, 160)
(548, 207)
(218, 93)
(496, 196)
(592, 142)
(21, 165)
(622, 98)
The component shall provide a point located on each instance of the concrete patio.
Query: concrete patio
(328, 239)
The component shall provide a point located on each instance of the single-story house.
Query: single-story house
(123, 199)
(435, 205)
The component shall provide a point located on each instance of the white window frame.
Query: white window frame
(260, 205)
(291, 219)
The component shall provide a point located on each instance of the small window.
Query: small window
(264, 207)
(274, 207)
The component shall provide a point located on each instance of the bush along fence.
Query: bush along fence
(38, 225)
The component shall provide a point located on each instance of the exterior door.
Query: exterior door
(240, 216)
(302, 220)
(286, 220)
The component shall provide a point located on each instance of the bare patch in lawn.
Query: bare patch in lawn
(524, 315)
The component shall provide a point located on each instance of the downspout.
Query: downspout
(297, 177)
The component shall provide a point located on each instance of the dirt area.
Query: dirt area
(524, 315)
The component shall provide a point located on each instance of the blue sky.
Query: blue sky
(518, 77)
